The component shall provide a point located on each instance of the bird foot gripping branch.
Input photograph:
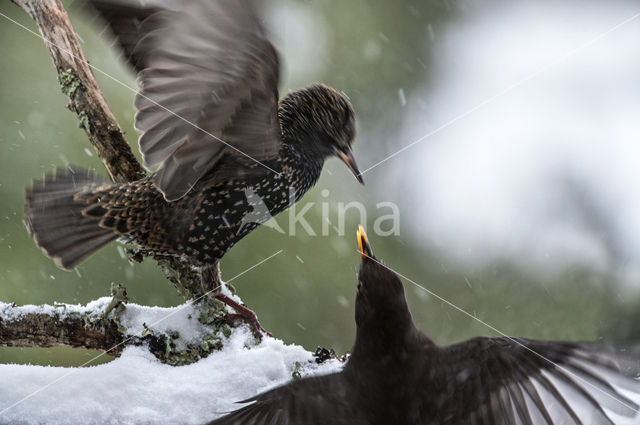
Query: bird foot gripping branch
(243, 314)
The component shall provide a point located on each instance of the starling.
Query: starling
(212, 124)
(397, 375)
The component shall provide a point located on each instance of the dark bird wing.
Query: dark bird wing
(208, 81)
(310, 401)
(496, 381)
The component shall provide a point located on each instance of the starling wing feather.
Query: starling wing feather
(519, 381)
(208, 81)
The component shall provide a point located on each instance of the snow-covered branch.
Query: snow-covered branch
(216, 367)
(47, 326)
(136, 388)
(177, 336)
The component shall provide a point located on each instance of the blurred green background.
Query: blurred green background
(304, 295)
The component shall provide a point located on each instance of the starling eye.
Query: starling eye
(348, 127)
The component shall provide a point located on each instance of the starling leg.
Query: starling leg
(243, 313)
(212, 283)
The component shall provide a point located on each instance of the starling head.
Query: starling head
(380, 302)
(321, 120)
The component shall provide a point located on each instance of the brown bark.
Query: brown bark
(45, 330)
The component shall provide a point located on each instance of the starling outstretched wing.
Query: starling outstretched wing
(520, 381)
(208, 81)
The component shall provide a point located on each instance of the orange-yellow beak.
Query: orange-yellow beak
(363, 244)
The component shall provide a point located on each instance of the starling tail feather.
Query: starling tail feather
(58, 221)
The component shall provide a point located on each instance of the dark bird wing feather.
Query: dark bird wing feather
(208, 81)
(483, 381)
(311, 401)
(504, 381)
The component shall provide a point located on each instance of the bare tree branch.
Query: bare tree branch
(39, 329)
(100, 326)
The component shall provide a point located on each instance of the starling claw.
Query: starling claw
(243, 313)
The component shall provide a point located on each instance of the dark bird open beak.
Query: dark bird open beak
(363, 243)
(347, 157)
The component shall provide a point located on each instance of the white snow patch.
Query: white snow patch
(137, 389)
(224, 290)
(9, 312)
(182, 319)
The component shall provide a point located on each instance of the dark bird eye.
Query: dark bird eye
(348, 127)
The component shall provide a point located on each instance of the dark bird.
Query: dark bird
(212, 124)
(397, 375)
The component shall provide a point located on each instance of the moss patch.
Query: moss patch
(69, 82)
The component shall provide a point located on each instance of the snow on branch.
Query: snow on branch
(177, 336)
(48, 326)
(136, 388)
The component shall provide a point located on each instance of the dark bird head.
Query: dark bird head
(320, 120)
(382, 314)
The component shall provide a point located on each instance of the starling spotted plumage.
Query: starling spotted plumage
(397, 375)
(211, 121)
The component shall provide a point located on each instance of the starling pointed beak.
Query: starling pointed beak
(363, 243)
(346, 156)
